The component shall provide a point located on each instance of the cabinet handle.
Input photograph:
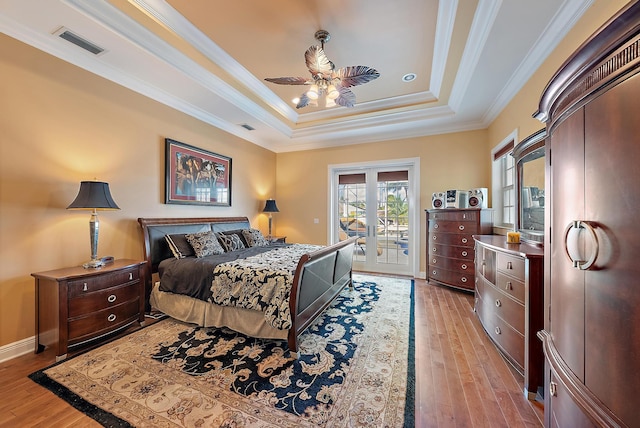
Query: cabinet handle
(464, 240)
(130, 276)
(497, 330)
(508, 286)
(461, 227)
(498, 303)
(111, 318)
(509, 265)
(463, 279)
(84, 287)
(464, 266)
(464, 216)
(553, 389)
(112, 298)
(573, 252)
(464, 254)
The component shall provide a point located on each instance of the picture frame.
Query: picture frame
(195, 176)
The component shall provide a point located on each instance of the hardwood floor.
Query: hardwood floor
(461, 379)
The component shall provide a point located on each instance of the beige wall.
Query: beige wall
(60, 125)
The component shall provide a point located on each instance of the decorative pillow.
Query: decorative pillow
(179, 246)
(204, 244)
(231, 241)
(254, 238)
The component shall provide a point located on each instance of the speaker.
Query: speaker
(438, 200)
(457, 199)
(478, 198)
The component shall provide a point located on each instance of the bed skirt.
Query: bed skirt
(188, 309)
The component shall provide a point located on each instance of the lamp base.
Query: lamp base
(93, 264)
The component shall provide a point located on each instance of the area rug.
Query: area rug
(355, 369)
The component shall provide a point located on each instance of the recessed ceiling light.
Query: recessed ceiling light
(409, 77)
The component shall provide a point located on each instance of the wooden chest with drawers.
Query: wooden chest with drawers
(450, 247)
(76, 305)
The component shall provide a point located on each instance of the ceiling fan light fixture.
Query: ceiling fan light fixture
(332, 92)
(312, 93)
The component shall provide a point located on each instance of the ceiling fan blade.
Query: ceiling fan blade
(304, 101)
(356, 75)
(346, 97)
(289, 80)
(317, 62)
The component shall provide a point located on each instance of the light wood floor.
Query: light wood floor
(461, 379)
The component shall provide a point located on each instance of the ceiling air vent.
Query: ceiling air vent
(70, 36)
(248, 127)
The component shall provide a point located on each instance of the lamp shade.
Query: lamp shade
(271, 206)
(93, 195)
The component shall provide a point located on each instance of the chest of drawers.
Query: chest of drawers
(509, 303)
(450, 247)
(76, 305)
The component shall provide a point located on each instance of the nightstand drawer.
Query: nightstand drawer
(100, 282)
(511, 265)
(513, 287)
(92, 302)
(97, 323)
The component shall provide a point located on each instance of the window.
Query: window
(503, 183)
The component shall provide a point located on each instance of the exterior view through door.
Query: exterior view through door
(374, 206)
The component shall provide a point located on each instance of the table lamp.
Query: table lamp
(270, 207)
(93, 195)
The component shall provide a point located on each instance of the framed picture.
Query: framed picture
(196, 177)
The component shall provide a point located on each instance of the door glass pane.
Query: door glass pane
(352, 195)
(392, 228)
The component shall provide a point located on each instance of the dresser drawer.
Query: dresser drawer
(457, 265)
(511, 286)
(460, 239)
(98, 300)
(508, 340)
(100, 282)
(455, 215)
(457, 252)
(505, 307)
(511, 265)
(456, 279)
(453, 226)
(98, 323)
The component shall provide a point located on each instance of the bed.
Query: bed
(319, 275)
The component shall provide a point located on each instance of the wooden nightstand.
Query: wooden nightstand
(76, 305)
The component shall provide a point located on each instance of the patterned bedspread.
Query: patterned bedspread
(260, 282)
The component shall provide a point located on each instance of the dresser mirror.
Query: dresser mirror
(530, 170)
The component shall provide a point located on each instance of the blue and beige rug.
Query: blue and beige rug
(355, 369)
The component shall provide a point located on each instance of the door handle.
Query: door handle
(571, 248)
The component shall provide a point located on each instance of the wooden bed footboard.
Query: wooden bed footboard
(319, 277)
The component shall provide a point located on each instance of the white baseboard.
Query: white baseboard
(422, 275)
(15, 349)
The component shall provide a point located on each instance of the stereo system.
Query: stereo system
(474, 198)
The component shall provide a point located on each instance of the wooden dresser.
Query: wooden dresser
(592, 270)
(450, 248)
(509, 303)
(76, 305)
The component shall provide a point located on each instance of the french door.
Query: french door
(376, 203)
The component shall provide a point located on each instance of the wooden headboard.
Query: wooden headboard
(155, 245)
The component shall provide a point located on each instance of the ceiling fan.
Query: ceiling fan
(325, 79)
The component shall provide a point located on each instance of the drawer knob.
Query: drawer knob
(463, 279)
(434, 237)
(497, 330)
(112, 298)
(464, 240)
(130, 276)
(464, 266)
(111, 318)
(498, 303)
(435, 226)
(433, 261)
(553, 389)
(464, 254)
(84, 287)
(508, 286)
(434, 250)
(434, 272)
(461, 227)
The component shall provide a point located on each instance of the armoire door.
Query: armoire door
(612, 285)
